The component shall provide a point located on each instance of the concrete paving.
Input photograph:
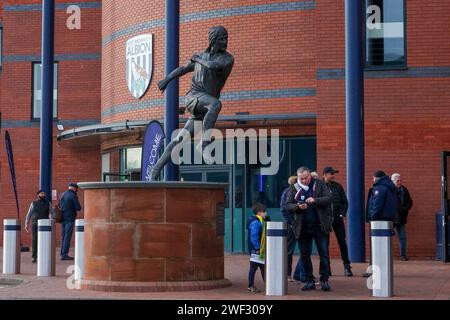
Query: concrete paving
(414, 279)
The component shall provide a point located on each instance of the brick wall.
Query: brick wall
(406, 118)
(79, 85)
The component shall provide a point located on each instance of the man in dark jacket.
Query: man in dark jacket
(310, 200)
(289, 218)
(39, 209)
(69, 207)
(339, 208)
(405, 205)
(383, 203)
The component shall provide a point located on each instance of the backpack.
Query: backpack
(57, 213)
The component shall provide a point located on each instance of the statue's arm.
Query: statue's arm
(223, 63)
(178, 72)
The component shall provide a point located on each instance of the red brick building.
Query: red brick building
(78, 57)
(288, 74)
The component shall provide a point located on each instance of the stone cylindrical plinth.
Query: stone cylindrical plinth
(153, 236)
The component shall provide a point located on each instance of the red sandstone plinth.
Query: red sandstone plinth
(153, 236)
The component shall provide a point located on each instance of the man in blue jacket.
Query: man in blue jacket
(69, 207)
(383, 202)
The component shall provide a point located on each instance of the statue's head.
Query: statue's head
(218, 38)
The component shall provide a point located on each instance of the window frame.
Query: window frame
(404, 66)
(33, 118)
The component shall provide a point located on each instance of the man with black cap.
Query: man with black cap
(69, 207)
(383, 201)
(339, 208)
(39, 209)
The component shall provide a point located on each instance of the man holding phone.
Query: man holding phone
(310, 200)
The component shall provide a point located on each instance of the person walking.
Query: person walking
(69, 206)
(39, 209)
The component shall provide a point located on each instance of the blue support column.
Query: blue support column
(354, 80)
(172, 92)
(46, 146)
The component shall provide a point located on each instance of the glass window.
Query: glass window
(385, 34)
(37, 90)
(133, 158)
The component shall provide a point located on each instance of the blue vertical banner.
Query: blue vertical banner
(9, 151)
(153, 138)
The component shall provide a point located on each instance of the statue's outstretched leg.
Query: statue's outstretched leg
(168, 150)
(213, 107)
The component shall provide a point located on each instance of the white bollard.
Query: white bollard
(276, 259)
(11, 246)
(46, 248)
(79, 249)
(382, 264)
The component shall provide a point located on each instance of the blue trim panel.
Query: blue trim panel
(228, 96)
(58, 57)
(276, 232)
(58, 6)
(413, 72)
(12, 228)
(44, 228)
(382, 233)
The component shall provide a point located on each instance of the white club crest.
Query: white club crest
(139, 64)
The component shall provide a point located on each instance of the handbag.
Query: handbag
(57, 213)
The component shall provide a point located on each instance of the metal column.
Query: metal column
(171, 117)
(46, 147)
(354, 80)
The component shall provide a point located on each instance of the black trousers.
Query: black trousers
(251, 273)
(34, 239)
(339, 230)
(322, 240)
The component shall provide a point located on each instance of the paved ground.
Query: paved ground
(413, 280)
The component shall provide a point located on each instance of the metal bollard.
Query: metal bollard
(79, 249)
(11, 246)
(46, 248)
(382, 264)
(276, 259)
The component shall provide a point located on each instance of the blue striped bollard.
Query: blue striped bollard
(276, 259)
(381, 233)
(46, 248)
(79, 249)
(11, 246)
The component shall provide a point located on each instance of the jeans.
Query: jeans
(299, 273)
(401, 232)
(291, 242)
(339, 230)
(34, 239)
(322, 240)
(251, 273)
(67, 231)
